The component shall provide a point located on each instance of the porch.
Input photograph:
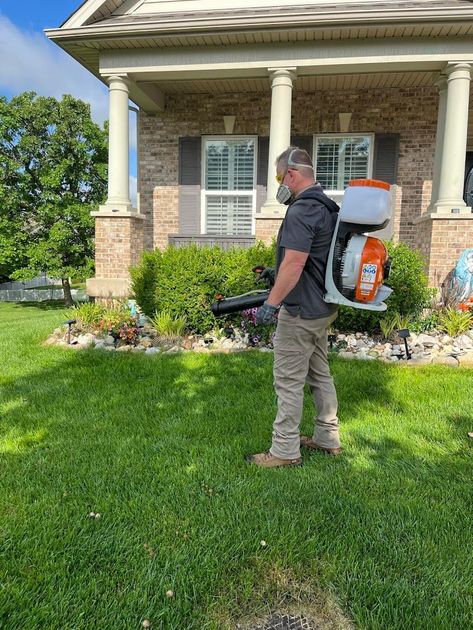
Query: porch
(396, 100)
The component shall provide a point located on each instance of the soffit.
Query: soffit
(87, 52)
(304, 84)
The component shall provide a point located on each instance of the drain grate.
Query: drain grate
(286, 622)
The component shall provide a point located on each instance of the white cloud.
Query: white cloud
(30, 62)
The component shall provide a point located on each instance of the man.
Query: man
(300, 342)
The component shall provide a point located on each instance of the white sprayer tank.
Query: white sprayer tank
(366, 202)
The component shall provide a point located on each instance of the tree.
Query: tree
(53, 172)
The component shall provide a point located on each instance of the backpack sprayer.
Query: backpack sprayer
(357, 264)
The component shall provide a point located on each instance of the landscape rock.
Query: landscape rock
(464, 342)
(427, 340)
(86, 340)
(152, 351)
(445, 360)
(124, 349)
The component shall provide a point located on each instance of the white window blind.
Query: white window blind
(338, 159)
(229, 186)
(229, 214)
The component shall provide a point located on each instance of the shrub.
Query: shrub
(455, 322)
(409, 297)
(168, 326)
(184, 281)
(144, 280)
(427, 322)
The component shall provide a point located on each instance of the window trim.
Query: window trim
(369, 135)
(228, 193)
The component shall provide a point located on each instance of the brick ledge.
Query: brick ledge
(445, 217)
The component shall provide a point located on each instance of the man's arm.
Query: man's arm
(288, 275)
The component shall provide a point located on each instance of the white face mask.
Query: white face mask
(284, 194)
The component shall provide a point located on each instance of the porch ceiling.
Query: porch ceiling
(337, 82)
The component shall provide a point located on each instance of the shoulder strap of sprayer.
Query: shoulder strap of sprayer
(325, 201)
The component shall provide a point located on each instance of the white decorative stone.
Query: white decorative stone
(442, 360)
(146, 342)
(152, 351)
(419, 360)
(466, 359)
(427, 340)
(86, 340)
(109, 340)
(464, 342)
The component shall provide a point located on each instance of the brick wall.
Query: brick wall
(411, 112)
(441, 242)
(118, 245)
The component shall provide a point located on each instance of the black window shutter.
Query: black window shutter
(386, 156)
(263, 156)
(190, 163)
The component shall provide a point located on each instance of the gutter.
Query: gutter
(239, 23)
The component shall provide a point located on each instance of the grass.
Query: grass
(156, 446)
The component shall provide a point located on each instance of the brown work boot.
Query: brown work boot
(266, 460)
(310, 444)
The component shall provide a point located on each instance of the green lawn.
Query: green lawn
(156, 445)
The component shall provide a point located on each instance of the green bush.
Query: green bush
(185, 280)
(144, 279)
(409, 297)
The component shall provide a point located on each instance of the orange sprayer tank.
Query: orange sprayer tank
(371, 274)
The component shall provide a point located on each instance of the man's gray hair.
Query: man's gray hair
(294, 157)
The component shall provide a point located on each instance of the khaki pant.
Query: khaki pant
(300, 356)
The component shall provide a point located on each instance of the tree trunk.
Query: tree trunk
(66, 287)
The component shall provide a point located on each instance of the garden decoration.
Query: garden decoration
(404, 333)
(463, 278)
(70, 323)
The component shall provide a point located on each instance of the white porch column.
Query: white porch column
(442, 86)
(279, 134)
(118, 150)
(452, 166)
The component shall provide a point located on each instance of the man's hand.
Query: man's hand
(266, 314)
(268, 275)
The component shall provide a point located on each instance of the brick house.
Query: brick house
(370, 89)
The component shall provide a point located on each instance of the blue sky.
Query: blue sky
(29, 61)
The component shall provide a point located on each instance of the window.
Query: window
(228, 192)
(339, 159)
